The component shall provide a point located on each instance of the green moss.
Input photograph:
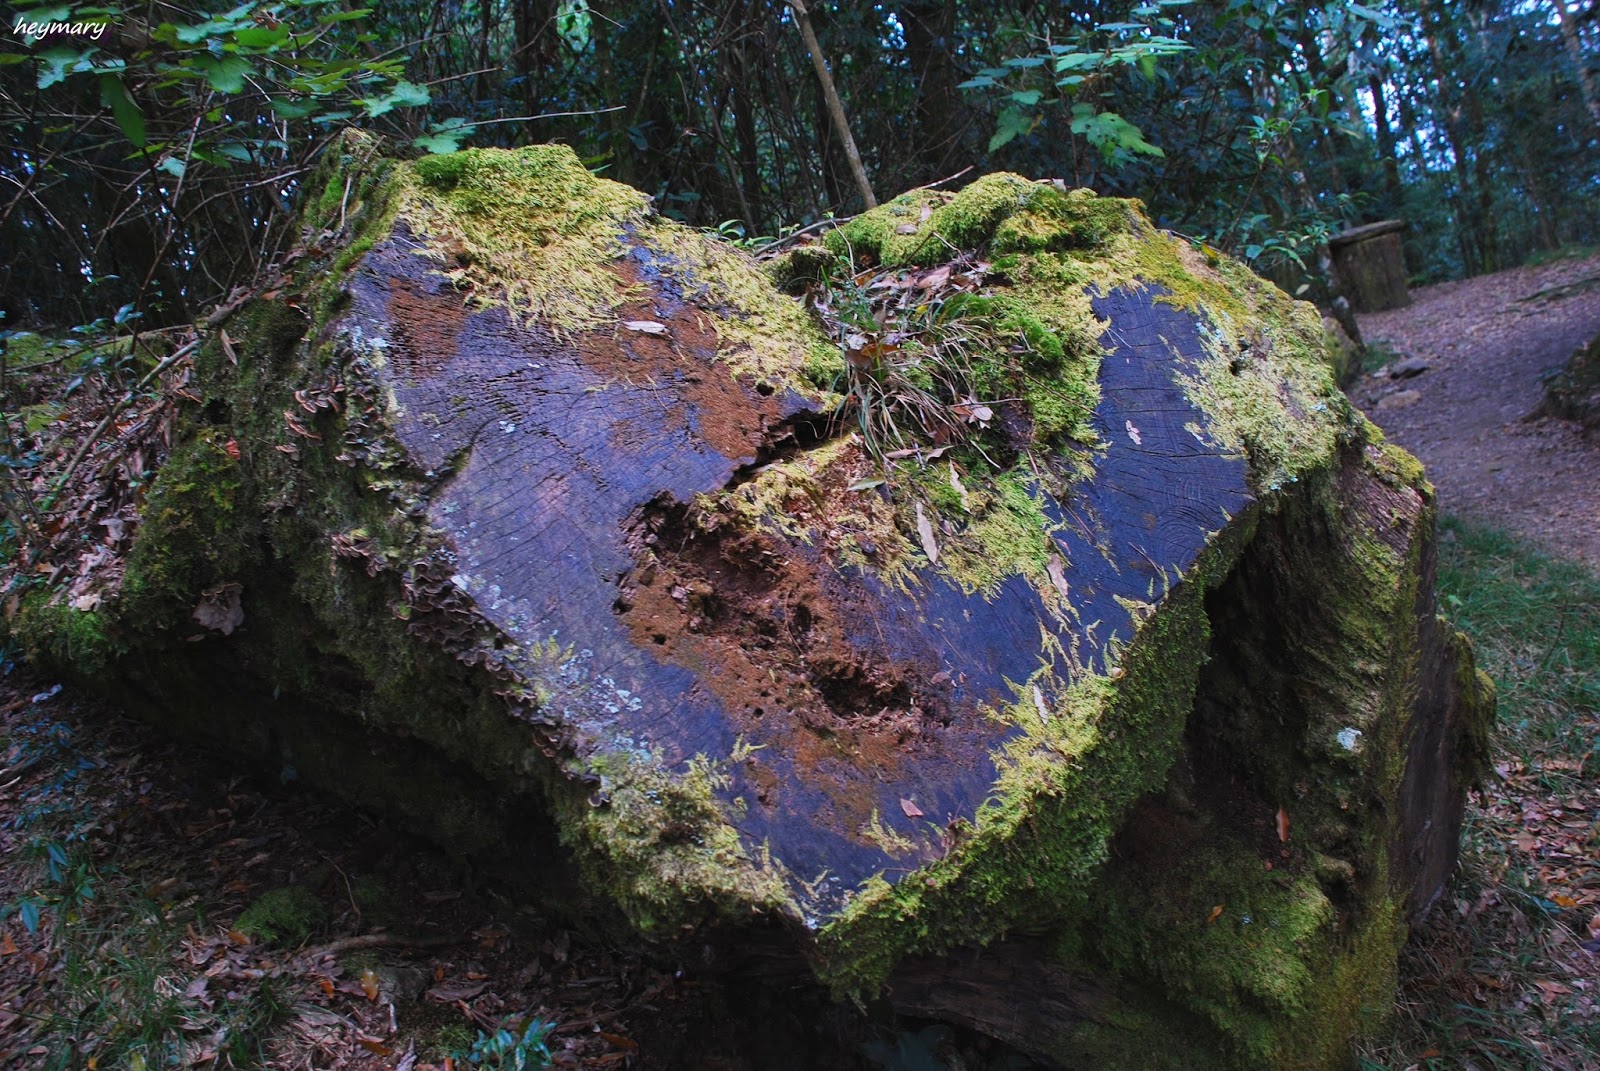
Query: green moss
(1004, 212)
(658, 844)
(194, 531)
(82, 642)
(1265, 384)
(285, 916)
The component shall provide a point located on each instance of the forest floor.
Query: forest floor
(1470, 416)
(1506, 972)
(158, 909)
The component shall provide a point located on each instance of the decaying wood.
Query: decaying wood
(612, 595)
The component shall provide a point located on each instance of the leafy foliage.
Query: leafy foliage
(159, 159)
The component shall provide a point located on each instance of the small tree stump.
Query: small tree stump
(1372, 265)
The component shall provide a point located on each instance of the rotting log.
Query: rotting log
(530, 515)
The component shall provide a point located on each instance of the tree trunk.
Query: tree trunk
(1124, 713)
(1386, 146)
(830, 95)
(1572, 38)
(931, 47)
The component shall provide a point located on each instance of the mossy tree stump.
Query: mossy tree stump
(1128, 718)
(1371, 263)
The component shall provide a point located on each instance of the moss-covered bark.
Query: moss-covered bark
(544, 531)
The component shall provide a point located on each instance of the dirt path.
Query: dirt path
(1487, 342)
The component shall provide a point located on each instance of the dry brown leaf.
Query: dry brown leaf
(960, 488)
(1216, 913)
(911, 809)
(1055, 565)
(1283, 825)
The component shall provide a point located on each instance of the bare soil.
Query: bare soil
(1469, 417)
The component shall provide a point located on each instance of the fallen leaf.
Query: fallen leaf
(1133, 433)
(925, 530)
(8, 947)
(620, 1042)
(232, 448)
(1562, 901)
(1216, 913)
(645, 327)
(369, 983)
(1055, 565)
(219, 608)
(227, 347)
(1283, 825)
(911, 809)
(451, 992)
(1038, 702)
(373, 1045)
(960, 488)
(865, 483)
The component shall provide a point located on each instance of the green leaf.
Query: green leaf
(403, 95)
(56, 63)
(344, 16)
(28, 912)
(446, 136)
(292, 109)
(127, 113)
(227, 74)
(261, 38)
(1026, 97)
(438, 143)
(172, 166)
(1013, 122)
(980, 82)
(1073, 61)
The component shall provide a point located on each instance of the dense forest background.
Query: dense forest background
(147, 172)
